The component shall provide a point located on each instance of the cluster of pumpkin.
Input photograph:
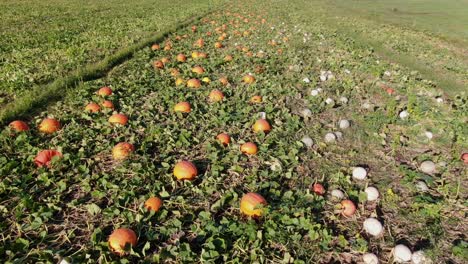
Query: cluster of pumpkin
(251, 203)
(47, 126)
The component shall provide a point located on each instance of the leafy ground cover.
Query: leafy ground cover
(310, 78)
(43, 40)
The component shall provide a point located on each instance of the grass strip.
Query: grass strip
(450, 84)
(42, 96)
(444, 80)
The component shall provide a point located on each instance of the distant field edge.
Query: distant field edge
(42, 96)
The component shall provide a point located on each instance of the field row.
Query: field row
(258, 134)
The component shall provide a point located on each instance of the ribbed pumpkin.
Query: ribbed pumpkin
(104, 91)
(224, 139)
(49, 125)
(261, 125)
(216, 95)
(44, 157)
(118, 119)
(183, 107)
(18, 126)
(185, 170)
(252, 204)
(92, 107)
(153, 204)
(120, 239)
(122, 150)
(249, 148)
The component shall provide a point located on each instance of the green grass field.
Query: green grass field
(441, 58)
(447, 19)
(41, 41)
(313, 66)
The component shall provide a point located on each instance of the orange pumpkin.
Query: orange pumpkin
(195, 54)
(261, 126)
(118, 119)
(158, 64)
(252, 204)
(179, 81)
(92, 107)
(49, 126)
(198, 70)
(224, 139)
(18, 126)
(318, 189)
(256, 99)
(464, 158)
(228, 58)
(202, 55)
(105, 91)
(120, 239)
(216, 95)
(181, 58)
(348, 208)
(43, 158)
(153, 204)
(218, 45)
(155, 47)
(390, 91)
(122, 150)
(249, 148)
(108, 104)
(165, 60)
(248, 79)
(185, 170)
(193, 83)
(175, 72)
(199, 43)
(183, 107)
(224, 81)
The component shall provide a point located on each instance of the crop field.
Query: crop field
(260, 132)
